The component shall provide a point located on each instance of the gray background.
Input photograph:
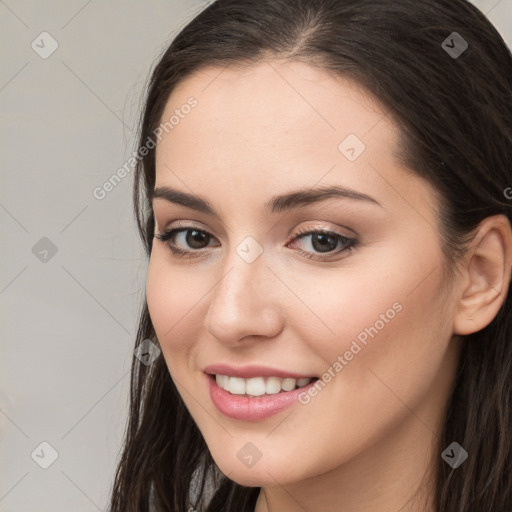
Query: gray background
(68, 320)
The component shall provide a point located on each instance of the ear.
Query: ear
(486, 272)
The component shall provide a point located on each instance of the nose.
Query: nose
(245, 306)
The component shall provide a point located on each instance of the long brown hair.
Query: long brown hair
(454, 113)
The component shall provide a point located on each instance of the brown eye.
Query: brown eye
(185, 241)
(324, 244)
(195, 238)
(189, 242)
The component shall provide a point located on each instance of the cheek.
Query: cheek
(389, 347)
(379, 332)
(379, 302)
(174, 299)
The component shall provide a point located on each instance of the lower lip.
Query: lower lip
(241, 407)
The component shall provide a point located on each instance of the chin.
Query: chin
(249, 478)
(264, 473)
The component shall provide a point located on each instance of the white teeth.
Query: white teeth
(258, 386)
(255, 386)
(237, 385)
(288, 384)
(225, 382)
(273, 386)
(222, 381)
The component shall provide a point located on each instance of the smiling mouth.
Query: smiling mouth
(259, 386)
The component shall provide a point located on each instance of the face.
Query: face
(347, 287)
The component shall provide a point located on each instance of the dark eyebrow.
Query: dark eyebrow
(276, 204)
(315, 195)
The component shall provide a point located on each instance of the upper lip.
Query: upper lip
(246, 372)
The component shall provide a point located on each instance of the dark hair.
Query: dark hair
(454, 114)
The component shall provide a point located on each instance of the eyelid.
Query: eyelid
(181, 224)
(307, 230)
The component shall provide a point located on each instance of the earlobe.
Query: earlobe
(487, 271)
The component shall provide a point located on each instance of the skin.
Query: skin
(365, 442)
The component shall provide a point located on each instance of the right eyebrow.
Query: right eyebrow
(183, 198)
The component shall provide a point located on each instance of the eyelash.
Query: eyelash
(350, 243)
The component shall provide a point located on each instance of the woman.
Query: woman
(322, 192)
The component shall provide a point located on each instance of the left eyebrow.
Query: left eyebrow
(276, 204)
(307, 196)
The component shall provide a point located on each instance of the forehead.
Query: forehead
(277, 126)
(276, 95)
(270, 114)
